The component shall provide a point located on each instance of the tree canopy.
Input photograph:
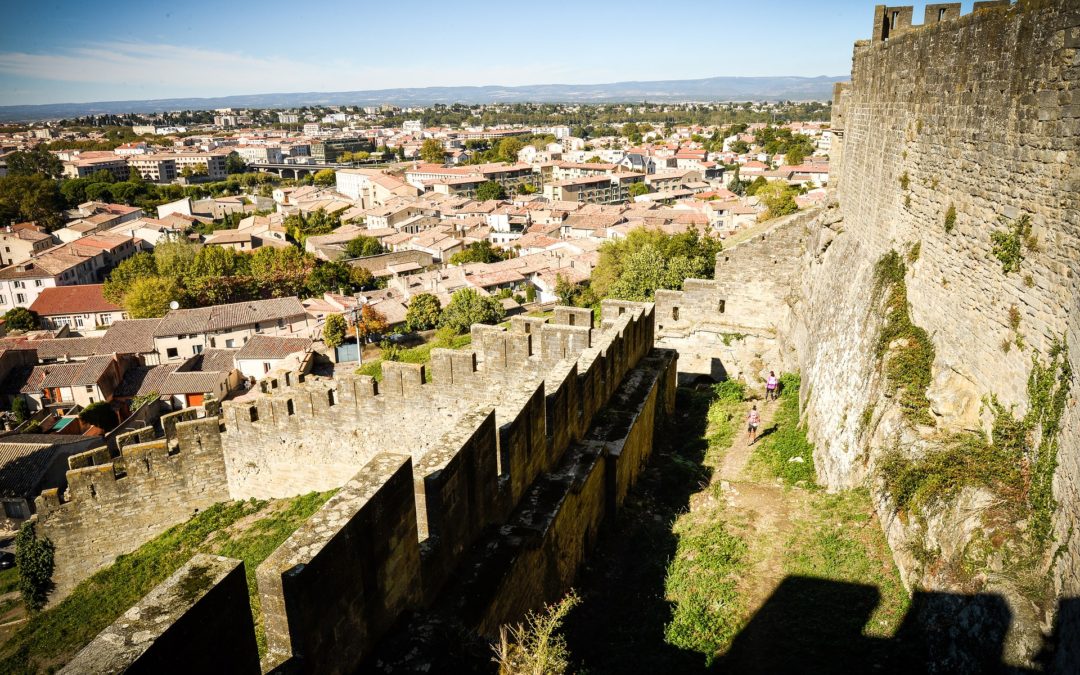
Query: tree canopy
(634, 268)
(334, 330)
(363, 246)
(490, 190)
(467, 307)
(432, 151)
(424, 311)
(20, 318)
(778, 198)
(477, 252)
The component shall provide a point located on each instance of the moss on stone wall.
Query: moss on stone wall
(907, 349)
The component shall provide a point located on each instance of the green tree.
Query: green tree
(334, 330)
(490, 190)
(509, 148)
(467, 307)
(281, 272)
(638, 189)
(432, 151)
(235, 164)
(424, 311)
(100, 414)
(325, 177)
(118, 282)
(36, 161)
(34, 560)
(35, 197)
(217, 261)
(20, 318)
(779, 199)
(794, 157)
(363, 246)
(634, 268)
(477, 252)
(149, 297)
(300, 227)
(329, 277)
(173, 258)
(755, 185)
(21, 409)
(739, 147)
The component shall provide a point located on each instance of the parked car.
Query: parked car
(7, 560)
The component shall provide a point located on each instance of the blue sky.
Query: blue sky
(63, 51)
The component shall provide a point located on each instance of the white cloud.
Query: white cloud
(145, 70)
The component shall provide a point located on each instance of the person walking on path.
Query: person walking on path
(772, 386)
(753, 420)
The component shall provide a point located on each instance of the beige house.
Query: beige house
(183, 333)
(22, 241)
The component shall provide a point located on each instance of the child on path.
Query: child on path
(753, 420)
(772, 386)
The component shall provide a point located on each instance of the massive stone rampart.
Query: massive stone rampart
(948, 132)
(113, 506)
(521, 406)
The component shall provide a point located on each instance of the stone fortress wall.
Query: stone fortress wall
(980, 113)
(547, 425)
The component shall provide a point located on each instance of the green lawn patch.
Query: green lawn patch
(420, 354)
(54, 635)
(783, 449)
(844, 542)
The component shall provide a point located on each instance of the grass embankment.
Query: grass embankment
(248, 530)
(783, 450)
(842, 541)
(420, 354)
(703, 575)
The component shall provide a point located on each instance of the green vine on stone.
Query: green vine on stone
(950, 219)
(1009, 243)
(907, 349)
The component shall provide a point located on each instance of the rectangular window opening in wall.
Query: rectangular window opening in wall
(331, 397)
(674, 313)
(622, 310)
(172, 352)
(722, 306)
(570, 319)
(941, 15)
(253, 413)
(892, 22)
(289, 407)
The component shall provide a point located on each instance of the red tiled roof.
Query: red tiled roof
(83, 299)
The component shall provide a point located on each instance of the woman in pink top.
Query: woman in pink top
(772, 386)
(753, 420)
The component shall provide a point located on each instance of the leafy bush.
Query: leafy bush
(950, 219)
(730, 391)
(34, 559)
(1010, 242)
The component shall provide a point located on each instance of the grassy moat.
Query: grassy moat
(727, 558)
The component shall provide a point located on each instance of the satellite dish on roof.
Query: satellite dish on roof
(174, 305)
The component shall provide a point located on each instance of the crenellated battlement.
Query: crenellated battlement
(892, 22)
(429, 464)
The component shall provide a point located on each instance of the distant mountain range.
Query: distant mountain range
(707, 89)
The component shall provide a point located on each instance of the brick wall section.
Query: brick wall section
(196, 621)
(113, 508)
